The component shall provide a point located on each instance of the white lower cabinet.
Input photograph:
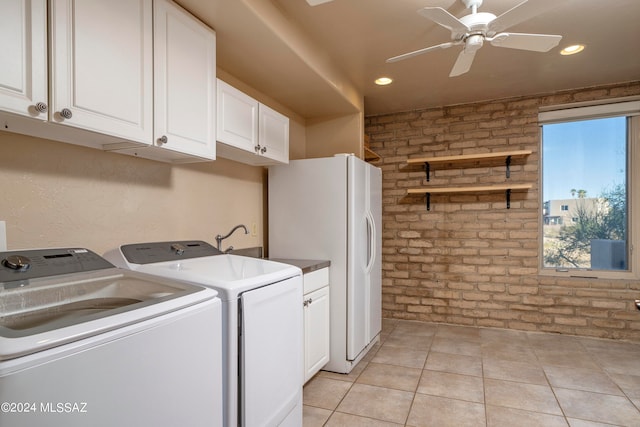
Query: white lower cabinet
(316, 321)
(249, 131)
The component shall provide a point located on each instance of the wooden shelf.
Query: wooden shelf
(508, 156)
(371, 156)
(507, 188)
(470, 157)
(470, 189)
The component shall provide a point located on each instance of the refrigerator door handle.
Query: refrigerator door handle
(371, 238)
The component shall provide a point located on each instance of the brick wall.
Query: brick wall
(469, 260)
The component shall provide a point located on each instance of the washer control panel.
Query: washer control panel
(148, 253)
(30, 264)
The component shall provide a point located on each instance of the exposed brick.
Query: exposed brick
(573, 321)
(469, 260)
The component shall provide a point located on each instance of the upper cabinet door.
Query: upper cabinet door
(184, 82)
(274, 134)
(23, 43)
(237, 118)
(101, 66)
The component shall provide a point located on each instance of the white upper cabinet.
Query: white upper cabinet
(23, 43)
(273, 134)
(184, 82)
(237, 123)
(248, 131)
(132, 76)
(101, 63)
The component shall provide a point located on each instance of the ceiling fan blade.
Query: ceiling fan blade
(463, 63)
(421, 51)
(520, 13)
(317, 2)
(533, 42)
(444, 18)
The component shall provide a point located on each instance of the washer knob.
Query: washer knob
(17, 262)
(177, 248)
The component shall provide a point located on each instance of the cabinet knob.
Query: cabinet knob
(257, 148)
(66, 113)
(162, 140)
(41, 107)
(263, 150)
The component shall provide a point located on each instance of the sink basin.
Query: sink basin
(254, 252)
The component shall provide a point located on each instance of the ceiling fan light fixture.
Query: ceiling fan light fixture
(383, 81)
(572, 50)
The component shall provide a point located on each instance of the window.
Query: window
(590, 163)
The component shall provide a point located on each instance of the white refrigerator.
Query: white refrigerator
(331, 209)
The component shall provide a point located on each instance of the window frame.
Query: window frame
(629, 107)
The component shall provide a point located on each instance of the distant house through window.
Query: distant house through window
(589, 160)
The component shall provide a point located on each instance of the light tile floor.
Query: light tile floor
(434, 375)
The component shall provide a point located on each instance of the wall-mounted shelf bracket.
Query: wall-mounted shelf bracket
(507, 188)
(452, 161)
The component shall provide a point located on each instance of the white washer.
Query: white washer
(262, 321)
(83, 343)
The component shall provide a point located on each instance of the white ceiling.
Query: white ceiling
(357, 36)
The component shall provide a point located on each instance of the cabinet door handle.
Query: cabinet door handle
(66, 113)
(257, 148)
(41, 107)
(162, 140)
(263, 150)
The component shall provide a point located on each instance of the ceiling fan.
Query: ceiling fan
(474, 29)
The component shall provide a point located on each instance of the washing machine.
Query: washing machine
(83, 343)
(262, 324)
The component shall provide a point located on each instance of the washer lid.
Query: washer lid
(230, 275)
(46, 312)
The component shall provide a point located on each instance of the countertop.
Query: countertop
(306, 265)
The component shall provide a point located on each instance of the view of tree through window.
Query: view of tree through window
(585, 207)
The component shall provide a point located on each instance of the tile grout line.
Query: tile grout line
(424, 365)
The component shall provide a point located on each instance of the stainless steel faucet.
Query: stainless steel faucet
(220, 238)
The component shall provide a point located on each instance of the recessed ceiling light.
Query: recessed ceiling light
(572, 50)
(383, 81)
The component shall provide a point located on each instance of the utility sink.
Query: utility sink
(253, 252)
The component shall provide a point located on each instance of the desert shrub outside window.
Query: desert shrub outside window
(590, 190)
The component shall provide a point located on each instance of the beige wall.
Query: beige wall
(328, 136)
(55, 194)
(469, 260)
